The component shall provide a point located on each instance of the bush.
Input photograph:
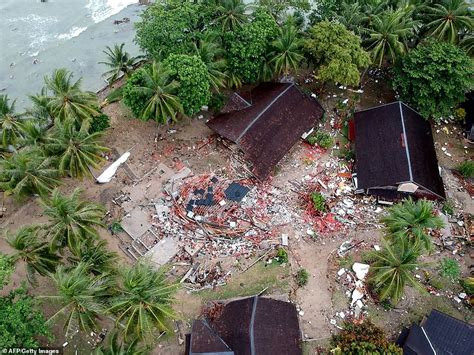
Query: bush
(135, 100)
(468, 285)
(20, 322)
(193, 77)
(246, 46)
(217, 102)
(363, 338)
(466, 169)
(281, 256)
(322, 139)
(448, 207)
(302, 277)
(99, 123)
(6, 269)
(450, 268)
(115, 227)
(115, 95)
(319, 202)
(433, 78)
(167, 27)
(459, 114)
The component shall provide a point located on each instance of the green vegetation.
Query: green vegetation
(29, 248)
(6, 269)
(450, 268)
(99, 123)
(21, 323)
(319, 202)
(466, 168)
(27, 172)
(192, 75)
(448, 207)
(115, 227)
(421, 78)
(10, 122)
(412, 221)
(76, 150)
(323, 139)
(286, 50)
(302, 277)
(151, 94)
(393, 269)
(71, 220)
(362, 338)
(143, 303)
(281, 256)
(337, 53)
(119, 62)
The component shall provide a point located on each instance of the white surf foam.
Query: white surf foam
(73, 32)
(101, 10)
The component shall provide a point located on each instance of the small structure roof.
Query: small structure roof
(394, 144)
(267, 122)
(254, 325)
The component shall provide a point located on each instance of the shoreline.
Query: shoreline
(22, 75)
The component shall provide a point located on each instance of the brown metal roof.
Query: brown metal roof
(249, 326)
(394, 144)
(279, 114)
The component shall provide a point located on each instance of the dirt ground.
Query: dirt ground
(190, 143)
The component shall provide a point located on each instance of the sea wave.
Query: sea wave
(101, 10)
(73, 32)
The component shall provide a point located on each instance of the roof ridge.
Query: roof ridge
(251, 325)
(262, 112)
(407, 149)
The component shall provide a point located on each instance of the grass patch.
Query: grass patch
(115, 95)
(302, 277)
(346, 261)
(466, 169)
(252, 282)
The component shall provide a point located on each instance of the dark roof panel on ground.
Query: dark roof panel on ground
(394, 144)
(279, 114)
(205, 340)
(259, 325)
(449, 335)
(276, 328)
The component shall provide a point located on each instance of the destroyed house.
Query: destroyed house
(438, 334)
(254, 325)
(266, 123)
(395, 154)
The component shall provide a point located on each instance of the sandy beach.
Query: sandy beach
(37, 37)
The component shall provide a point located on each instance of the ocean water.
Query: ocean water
(37, 37)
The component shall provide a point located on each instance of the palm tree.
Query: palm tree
(34, 133)
(11, 126)
(388, 35)
(68, 101)
(231, 14)
(40, 110)
(393, 268)
(77, 150)
(467, 43)
(411, 221)
(211, 55)
(447, 20)
(81, 296)
(119, 61)
(143, 304)
(27, 172)
(117, 347)
(71, 220)
(96, 255)
(351, 16)
(162, 104)
(286, 54)
(31, 250)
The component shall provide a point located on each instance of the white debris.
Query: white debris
(342, 315)
(232, 224)
(190, 214)
(301, 313)
(284, 239)
(109, 173)
(222, 203)
(377, 247)
(462, 295)
(360, 270)
(333, 321)
(356, 295)
(341, 272)
(457, 299)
